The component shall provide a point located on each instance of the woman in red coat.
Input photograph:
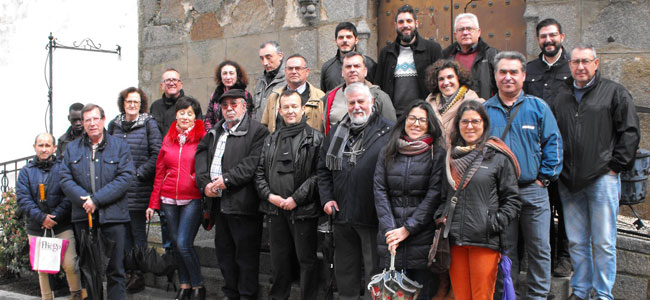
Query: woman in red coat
(176, 193)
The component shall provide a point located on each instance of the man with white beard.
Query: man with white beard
(345, 181)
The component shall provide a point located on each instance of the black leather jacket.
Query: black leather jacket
(304, 179)
(330, 73)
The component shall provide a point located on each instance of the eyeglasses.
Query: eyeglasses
(543, 36)
(468, 29)
(171, 80)
(94, 120)
(412, 119)
(474, 122)
(232, 105)
(132, 102)
(295, 69)
(584, 62)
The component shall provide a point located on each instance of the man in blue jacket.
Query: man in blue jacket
(96, 173)
(535, 139)
(48, 210)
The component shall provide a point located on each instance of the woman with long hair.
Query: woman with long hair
(176, 193)
(408, 183)
(487, 201)
(449, 85)
(228, 75)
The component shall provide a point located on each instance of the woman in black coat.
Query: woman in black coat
(408, 180)
(228, 75)
(486, 203)
(141, 132)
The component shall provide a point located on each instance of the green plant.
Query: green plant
(14, 244)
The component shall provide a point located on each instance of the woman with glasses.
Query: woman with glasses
(176, 193)
(487, 201)
(449, 85)
(141, 132)
(228, 75)
(408, 182)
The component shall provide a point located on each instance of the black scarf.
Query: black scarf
(45, 165)
(284, 152)
(350, 135)
(269, 76)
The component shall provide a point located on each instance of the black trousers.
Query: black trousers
(355, 247)
(237, 242)
(285, 237)
(559, 240)
(115, 274)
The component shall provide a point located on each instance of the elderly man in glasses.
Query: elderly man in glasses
(225, 165)
(474, 54)
(600, 128)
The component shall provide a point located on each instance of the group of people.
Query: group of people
(469, 138)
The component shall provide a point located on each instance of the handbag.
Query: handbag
(148, 260)
(439, 253)
(46, 253)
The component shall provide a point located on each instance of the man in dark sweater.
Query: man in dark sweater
(74, 131)
(475, 55)
(163, 110)
(402, 64)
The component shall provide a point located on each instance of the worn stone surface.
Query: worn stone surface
(630, 288)
(248, 17)
(163, 36)
(566, 12)
(200, 89)
(327, 44)
(632, 263)
(245, 51)
(204, 6)
(206, 27)
(171, 11)
(203, 57)
(343, 10)
(617, 21)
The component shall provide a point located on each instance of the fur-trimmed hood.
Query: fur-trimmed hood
(194, 136)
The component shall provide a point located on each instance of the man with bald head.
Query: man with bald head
(49, 210)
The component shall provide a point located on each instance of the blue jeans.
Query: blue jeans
(590, 218)
(183, 223)
(533, 227)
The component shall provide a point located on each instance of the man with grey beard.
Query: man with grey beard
(345, 181)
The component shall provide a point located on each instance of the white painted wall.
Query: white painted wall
(79, 76)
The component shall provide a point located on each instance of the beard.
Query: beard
(551, 53)
(358, 120)
(406, 38)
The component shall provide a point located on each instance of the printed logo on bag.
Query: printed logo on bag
(50, 246)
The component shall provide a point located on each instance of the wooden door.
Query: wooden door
(502, 21)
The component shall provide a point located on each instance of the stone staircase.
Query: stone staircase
(157, 287)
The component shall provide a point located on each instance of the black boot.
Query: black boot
(183, 294)
(198, 294)
(136, 284)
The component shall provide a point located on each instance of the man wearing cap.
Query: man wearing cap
(225, 165)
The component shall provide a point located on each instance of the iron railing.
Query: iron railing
(9, 169)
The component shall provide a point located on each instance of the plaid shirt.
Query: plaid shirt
(215, 168)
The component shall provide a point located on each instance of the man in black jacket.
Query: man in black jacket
(163, 110)
(225, 165)
(346, 38)
(600, 129)
(345, 181)
(286, 183)
(74, 131)
(402, 64)
(474, 54)
(544, 76)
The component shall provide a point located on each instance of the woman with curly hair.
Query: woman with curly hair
(449, 85)
(228, 75)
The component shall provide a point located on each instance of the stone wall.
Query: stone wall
(632, 268)
(617, 29)
(194, 36)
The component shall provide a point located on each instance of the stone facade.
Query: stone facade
(632, 268)
(194, 36)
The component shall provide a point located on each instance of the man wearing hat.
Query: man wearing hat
(226, 160)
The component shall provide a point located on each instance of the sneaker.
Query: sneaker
(563, 268)
(136, 284)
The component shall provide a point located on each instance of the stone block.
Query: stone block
(163, 36)
(245, 51)
(303, 42)
(171, 11)
(249, 17)
(148, 11)
(621, 21)
(636, 78)
(632, 263)
(633, 243)
(154, 56)
(200, 89)
(203, 57)
(204, 6)
(630, 288)
(343, 10)
(327, 43)
(206, 27)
